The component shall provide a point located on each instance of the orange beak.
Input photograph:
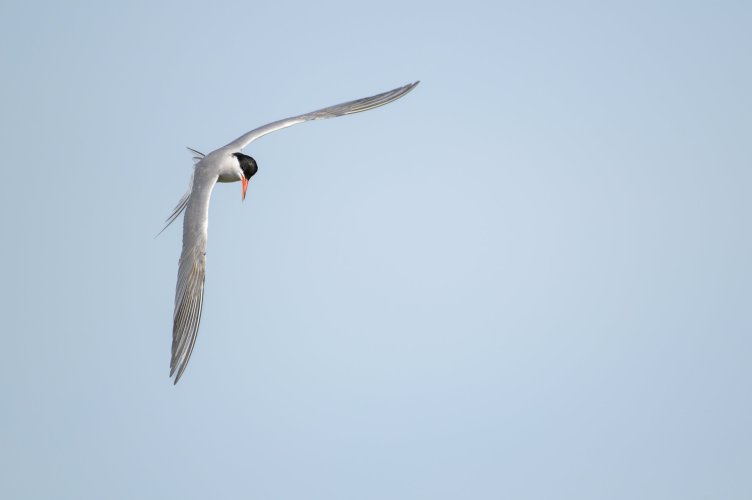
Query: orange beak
(245, 185)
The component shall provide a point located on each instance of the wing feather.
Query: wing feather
(346, 108)
(189, 290)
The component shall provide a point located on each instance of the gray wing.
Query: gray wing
(345, 108)
(189, 291)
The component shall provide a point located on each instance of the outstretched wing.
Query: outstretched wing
(189, 291)
(346, 108)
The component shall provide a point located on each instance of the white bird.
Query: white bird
(226, 164)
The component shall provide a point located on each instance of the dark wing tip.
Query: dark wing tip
(179, 370)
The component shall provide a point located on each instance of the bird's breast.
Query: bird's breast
(228, 177)
(226, 166)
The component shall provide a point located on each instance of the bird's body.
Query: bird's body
(226, 164)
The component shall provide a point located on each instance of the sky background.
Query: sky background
(530, 278)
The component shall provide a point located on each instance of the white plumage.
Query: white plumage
(226, 164)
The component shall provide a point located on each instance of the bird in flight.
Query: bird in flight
(227, 164)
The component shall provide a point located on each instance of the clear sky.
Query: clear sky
(530, 278)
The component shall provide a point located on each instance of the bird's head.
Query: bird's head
(248, 167)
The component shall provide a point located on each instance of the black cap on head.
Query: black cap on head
(247, 165)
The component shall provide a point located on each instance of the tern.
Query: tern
(227, 164)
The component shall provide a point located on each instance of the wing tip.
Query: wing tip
(178, 376)
(411, 86)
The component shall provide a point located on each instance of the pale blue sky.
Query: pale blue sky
(530, 278)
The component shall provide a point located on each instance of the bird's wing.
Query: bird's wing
(189, 291)
(345, 108)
